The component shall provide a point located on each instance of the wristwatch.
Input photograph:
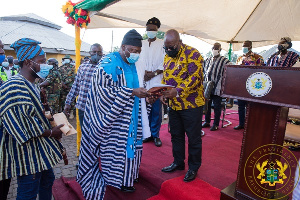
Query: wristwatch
(155, 73)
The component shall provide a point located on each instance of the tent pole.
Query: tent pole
(230, 51)
(77, 63)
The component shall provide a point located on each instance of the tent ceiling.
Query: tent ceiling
(262, 21)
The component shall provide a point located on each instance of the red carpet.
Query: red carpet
(220, 156)
(177, 189)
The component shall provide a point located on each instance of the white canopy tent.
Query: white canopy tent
(227, 21)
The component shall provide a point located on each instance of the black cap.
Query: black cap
(133, 38)
(154, 21)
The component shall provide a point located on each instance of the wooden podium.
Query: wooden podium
(269, 92)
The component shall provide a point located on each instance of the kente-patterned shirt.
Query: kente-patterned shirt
(287, 60)
(251, 59)
(185, 73)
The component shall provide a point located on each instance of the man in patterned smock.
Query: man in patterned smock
(248, 58)
(113, 119)
(183, 70)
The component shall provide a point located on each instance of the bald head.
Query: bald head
(172, 43)
(172, 36)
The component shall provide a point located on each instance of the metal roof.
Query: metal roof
(32, 26)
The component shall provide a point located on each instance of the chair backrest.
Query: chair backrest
(208, 87)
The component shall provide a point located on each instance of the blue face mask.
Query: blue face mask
(245, 50)
(2, 57)
(16, 66)
(44, 70)
(133, 58)
(151, 34)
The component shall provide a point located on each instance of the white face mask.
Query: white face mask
(67, 61)
(5, 64)
(215, 52)
(151, 34)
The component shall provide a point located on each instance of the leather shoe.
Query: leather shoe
(190, 175)
(214, 128)
(157, 142)
(238, 127)
(205, 125)
(173, 167)
(127, 189)
(148, 139)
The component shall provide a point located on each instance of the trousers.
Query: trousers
(217, 100)
(155, 118)
(186, 121)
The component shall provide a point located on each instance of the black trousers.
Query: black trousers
(186, 121)
(217, 109)
(4, 188)
(242, 111)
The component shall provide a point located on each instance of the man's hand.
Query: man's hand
(55, 132)
(170, 93)
(148, 75)
(139, 92)
(67, 110)
(151, 99)
(163, 100)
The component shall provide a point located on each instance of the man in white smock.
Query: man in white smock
(150, 68)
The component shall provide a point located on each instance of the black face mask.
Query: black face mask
(95, 58)
(172, 53)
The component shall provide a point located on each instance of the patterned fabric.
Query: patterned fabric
(81, 85)
(53, 90)
(67, 72)
(251, 59)
(214, 71)
(23, 151)
(107, 121)
(27, 48)
(186, 74)
(287, 60)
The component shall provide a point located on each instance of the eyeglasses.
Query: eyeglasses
(171, 48)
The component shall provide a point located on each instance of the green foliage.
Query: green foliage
(234, 57)
(159, 35)
(116, 49)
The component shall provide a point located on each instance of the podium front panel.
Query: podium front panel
(268, 85)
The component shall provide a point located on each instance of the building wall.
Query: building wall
(48, 55)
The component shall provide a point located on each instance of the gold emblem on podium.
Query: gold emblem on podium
(259, 84)
(269, 172)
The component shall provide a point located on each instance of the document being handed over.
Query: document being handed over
(157, 89)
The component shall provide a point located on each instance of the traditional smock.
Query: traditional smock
(112, 129)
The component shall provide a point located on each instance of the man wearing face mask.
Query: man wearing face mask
(16, 65)
(150, 68)
(52, 86)
(183, 70)
(283, 57)
(31, 147)
(67, 71)
(248, 58)
(214, 71)
(7, 71)
(112, 129)
(82, 84)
